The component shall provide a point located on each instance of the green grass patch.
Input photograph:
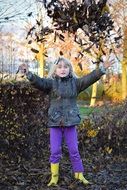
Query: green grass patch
(88, 110)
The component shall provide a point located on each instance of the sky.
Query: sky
(18, 13)
(9, 8)
(20, 8)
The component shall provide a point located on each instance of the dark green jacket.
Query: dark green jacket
(63, 110)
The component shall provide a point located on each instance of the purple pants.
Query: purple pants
(70, 136)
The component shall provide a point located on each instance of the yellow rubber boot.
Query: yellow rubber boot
(81, 178)
(55, 174)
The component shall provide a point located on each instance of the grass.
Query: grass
(87, 110)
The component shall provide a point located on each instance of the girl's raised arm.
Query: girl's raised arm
(36, 81)
(87, 80)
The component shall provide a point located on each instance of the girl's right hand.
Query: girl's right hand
(23, 69)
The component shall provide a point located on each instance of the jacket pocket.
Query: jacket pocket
(74, 115)
(55, 116)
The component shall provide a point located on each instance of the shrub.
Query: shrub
(23, 120)
(105, 130)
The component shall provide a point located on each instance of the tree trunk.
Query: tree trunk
(94, 87)
(124, 80)
(94, 94)
(124, 66)
(40, 59)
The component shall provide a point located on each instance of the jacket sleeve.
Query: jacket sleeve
(38, 82)
(86, 81)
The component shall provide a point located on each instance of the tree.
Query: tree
(124, 66)
(120, 14)
(94, 86)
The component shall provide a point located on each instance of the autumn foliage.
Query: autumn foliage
(23, 118)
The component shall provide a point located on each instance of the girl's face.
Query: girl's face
(62, 69)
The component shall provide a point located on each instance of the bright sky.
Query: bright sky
(17, 11)
(20, 8)
(9, 8)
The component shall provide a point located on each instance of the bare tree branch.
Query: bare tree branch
(14, 11)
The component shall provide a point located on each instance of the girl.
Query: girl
(63, 87)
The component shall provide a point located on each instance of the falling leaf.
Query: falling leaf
(34, 50)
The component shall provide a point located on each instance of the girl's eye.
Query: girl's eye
(59, 66)
(62, 66)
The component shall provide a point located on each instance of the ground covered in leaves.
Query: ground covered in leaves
(103, 172)
(24, 144)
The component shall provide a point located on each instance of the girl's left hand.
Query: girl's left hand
(108, 63)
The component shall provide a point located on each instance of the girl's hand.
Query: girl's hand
(23, 69)
(108, 62)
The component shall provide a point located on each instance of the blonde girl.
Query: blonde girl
(63, 115)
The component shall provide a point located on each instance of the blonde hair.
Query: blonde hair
(55, 64)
